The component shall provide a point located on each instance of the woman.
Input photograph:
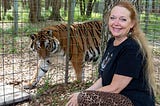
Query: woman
(126, 68)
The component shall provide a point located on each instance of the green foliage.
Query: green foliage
(151, 27)
(152, 30)
(12, 43)
(78, 17)
(12, 49)
(28, 29)
(10, 17)
(23, 14)
(41, 90)
(84, 18)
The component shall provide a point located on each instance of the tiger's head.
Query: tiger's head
(44, 43)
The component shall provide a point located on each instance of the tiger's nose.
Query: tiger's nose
(43, 53)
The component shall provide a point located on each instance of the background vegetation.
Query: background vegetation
(20, 18)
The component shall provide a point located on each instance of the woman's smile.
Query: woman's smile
(116, 29)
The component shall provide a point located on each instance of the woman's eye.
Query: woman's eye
(123, 19)
(112, 18)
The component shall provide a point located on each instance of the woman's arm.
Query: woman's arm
(119, 82)
(96, 85)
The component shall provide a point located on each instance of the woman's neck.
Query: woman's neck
(119, 40)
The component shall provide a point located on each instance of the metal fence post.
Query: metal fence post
(71, 4)
(15, 13)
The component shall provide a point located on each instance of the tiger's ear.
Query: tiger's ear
(33, 36)
(50, 32)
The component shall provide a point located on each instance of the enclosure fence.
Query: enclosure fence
(21, 18)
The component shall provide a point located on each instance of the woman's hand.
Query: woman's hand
(73, 99)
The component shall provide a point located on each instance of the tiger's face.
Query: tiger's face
(44, 43)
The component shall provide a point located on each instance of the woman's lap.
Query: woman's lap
(97, 98)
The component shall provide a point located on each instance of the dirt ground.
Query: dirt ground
(52, 91)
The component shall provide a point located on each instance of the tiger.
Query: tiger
(84, 46)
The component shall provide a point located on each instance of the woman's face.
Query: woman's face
(120, 22)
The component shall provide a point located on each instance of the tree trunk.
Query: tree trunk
(0, 10)
(35, 10)
(24, 2)
(82, 7)
(47, 4)
(153, 6)
(6, 4)
(90, 7)
(55, 15)
(65, 8)
(146, 17)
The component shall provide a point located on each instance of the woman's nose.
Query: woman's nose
(116, 22)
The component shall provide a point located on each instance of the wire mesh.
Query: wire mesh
(18, 63)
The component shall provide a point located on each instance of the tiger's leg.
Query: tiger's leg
(43, 67)
(98, 98)
(77, 63)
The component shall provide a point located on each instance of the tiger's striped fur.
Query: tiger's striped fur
(84, 46)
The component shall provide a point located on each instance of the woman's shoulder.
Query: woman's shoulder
(130, 46)
(131, 43)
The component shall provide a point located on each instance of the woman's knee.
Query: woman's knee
(97, 98)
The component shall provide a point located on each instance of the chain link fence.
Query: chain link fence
(21, 18)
